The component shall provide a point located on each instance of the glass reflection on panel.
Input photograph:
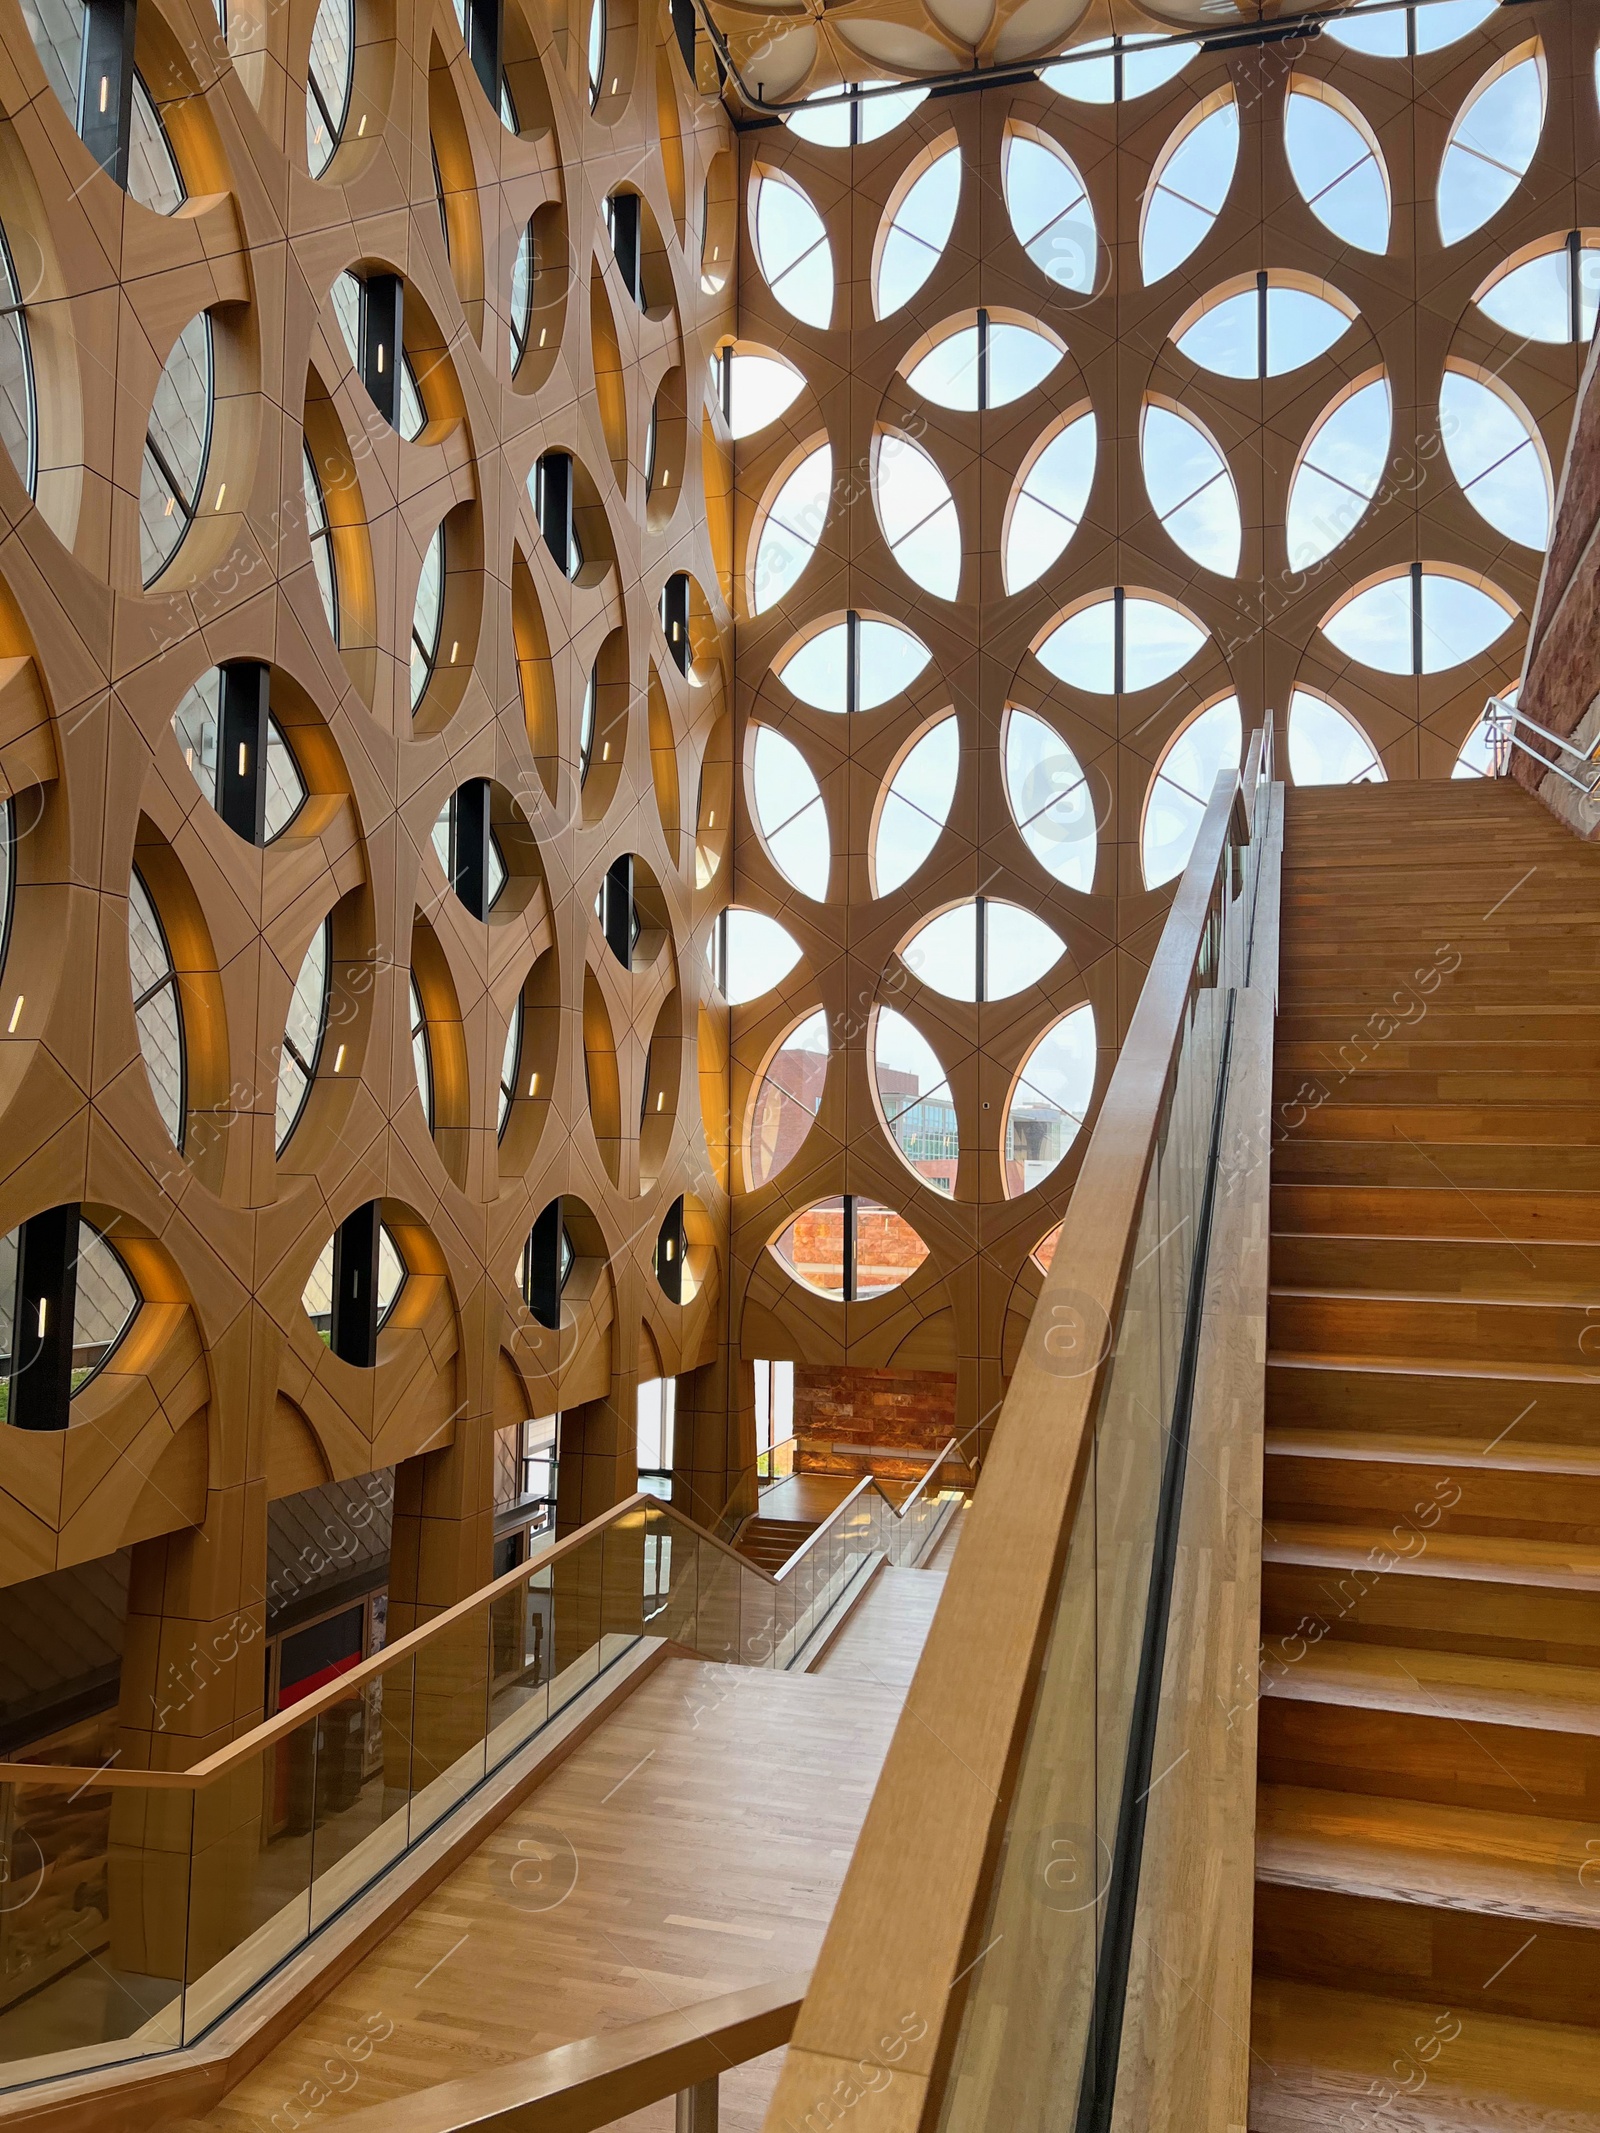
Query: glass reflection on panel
(328, 81)
(19, 422)
(787, 1099)
(176, 446)
(154, 179)
(1049, 1102)
(916, 1100)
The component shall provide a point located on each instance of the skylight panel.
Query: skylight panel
(915, 231)
(1340, 467)
(1048, 503)
(1337, 165)
(1491, 144)
(1188, 188)
(1191, 489)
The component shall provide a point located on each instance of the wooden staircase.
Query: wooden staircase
(769, 1542)
(1428, 1828)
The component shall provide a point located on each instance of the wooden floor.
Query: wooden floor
(1428, 1840)
(700, 1836)
(882, 1640)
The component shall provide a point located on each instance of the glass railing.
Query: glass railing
(138, 1907)
(1037, 1677)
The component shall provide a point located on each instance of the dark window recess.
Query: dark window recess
(553, 496)
(327, 1547)
(61, 1639)
(675, 618)
(469, 845)
(547, 1260)
(242, 749)
(485, 23)
(619, 914)
(382, 340)
(672, 1244)
(319, 1654)
(627, 241)
(43, 1314)
(105, 91)
(355, 1287)
(683, 22)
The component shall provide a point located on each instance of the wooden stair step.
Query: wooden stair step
(1467, 1686)
(1505, 1268)
(1477, 1401)
(1438, 1212)
(1386, 1083)
(1412, 1851)
(1431, 1124)
(1315, 2051)
(1469, 1558)
(1507, 1456)
(1459, 1329)
(1299, 1157)
(1445, 1495)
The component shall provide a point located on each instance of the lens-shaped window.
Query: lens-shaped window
(1418, 621)
(854, 665)
(916, 228)
(849, 1249)
(1180, 792)
(1495, 453)
(916, 806)
(1337, 164)
(1326, 746)
(1048, 504)
(421, 1051)
(1050, 800)
(915, 1099)
(788, 530)
(988, 364)
(1263, 331)
(426, 617)
(787, 1098)
(197, 723)
(748, 953)
(105, 1303)
(328, 81)
(982, 950)
(595, 53)
(1187, 189)
(19, 415)
(304, 1028)
(1191, 488)
(1491, 144)
(321, 542)
(1551, 297)
(792, 249)
(847, 121)
(176, 447)
(1113, 70)
(790, 813)
(1399, 30)
(157, 1007)
(1049, 207)
(917, 514)
(1122, 642)
(1049, 1101)
(754, 387)
(1341, 464)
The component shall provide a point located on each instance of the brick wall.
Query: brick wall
(839, 1404)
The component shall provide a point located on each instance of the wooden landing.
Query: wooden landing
(1428, 1828)
(695, 1843)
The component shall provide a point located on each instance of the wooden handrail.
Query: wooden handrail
(271, 1730)
(579, 2087)
(900, 1937)
(867, 1482)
